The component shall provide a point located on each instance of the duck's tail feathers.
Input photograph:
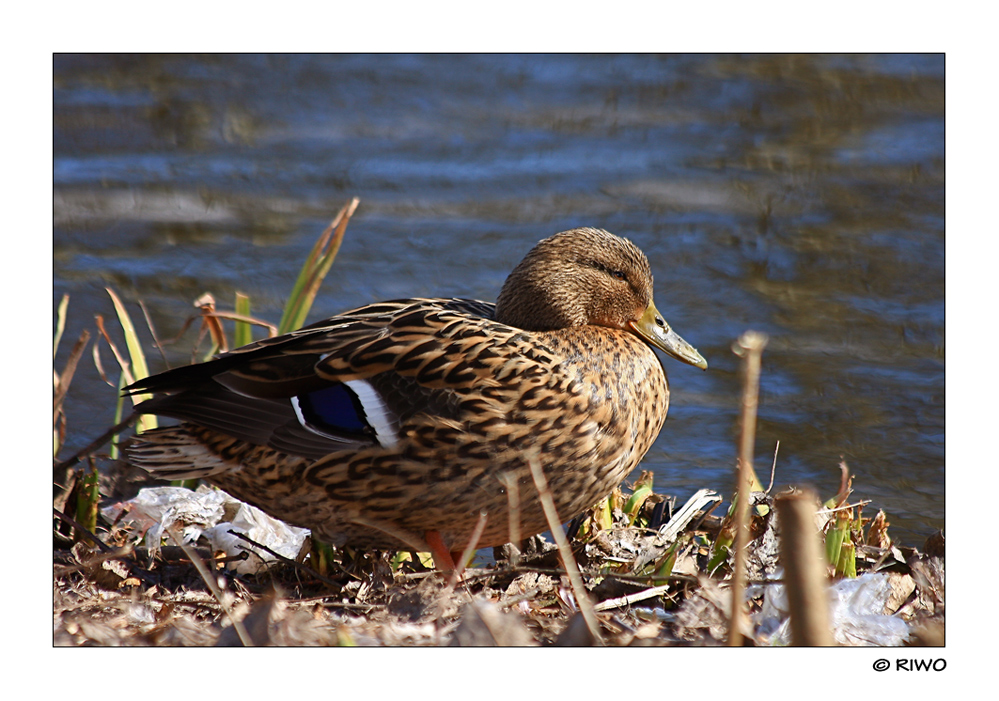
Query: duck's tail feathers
(174, 454)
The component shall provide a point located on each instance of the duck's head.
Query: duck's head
(589, 276)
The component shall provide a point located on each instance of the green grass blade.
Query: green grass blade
(119, 410)
(634, 504)
(138, 358)
(603, 515)
(665, 569)
(320, 259)
(139, 369)
(244, 332)
(87, 499)
(847, 565)
(60, 324)
(721, 548)
(834, 539)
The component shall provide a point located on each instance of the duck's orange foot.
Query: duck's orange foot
(444, 559)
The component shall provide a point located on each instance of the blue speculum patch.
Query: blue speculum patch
(333, 407)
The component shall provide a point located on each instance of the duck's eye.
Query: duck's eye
(618, 274)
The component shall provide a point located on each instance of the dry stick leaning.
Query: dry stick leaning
(199, 565)
(286, 560)
(473, 543)
(509, 480)
(582, 597)
(750, 346)
(94, 445)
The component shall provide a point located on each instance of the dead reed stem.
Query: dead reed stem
(471, 547)
(104, 438)
(509, 480)
(804, 569)
(64, 379)
(212, 585)
(750, 347)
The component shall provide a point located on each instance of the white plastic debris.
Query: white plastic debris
(200, 513)
(159, 508)
(255, 524)
(856, 613)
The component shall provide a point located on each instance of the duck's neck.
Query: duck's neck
(530, 304)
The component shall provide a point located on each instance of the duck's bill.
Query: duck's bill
(654, 329)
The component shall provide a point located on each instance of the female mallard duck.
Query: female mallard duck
(395, 425)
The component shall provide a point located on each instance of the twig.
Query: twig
(845, 488)
(287, 560)
(683, 516)
(575, 579)
(804, 569)
(844, 507)
(364, 608)
(509, 480)
(631, 598)
(773, 468)
(472, 546)
(233, 316)
(413, 576)
(699, 523)
(104, 438)
(105, 555)
(107, 552)
(66, 377)
(125, 366)
(85, 531)
(199, 565)
(750, 346)
(152, 331)
(651, 578)
(441, 627)
(209, 322)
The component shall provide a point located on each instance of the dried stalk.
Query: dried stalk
(473, 545)
(750, 346)
(209, 580)
(97, 443)
(575, 579)
(509, 480)
(804, 569)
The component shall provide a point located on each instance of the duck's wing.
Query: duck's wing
(345, 382)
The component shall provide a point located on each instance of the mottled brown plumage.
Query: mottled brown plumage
(402, 420)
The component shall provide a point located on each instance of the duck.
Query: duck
(411, 424)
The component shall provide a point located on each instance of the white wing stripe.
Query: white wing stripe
(376, 413)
